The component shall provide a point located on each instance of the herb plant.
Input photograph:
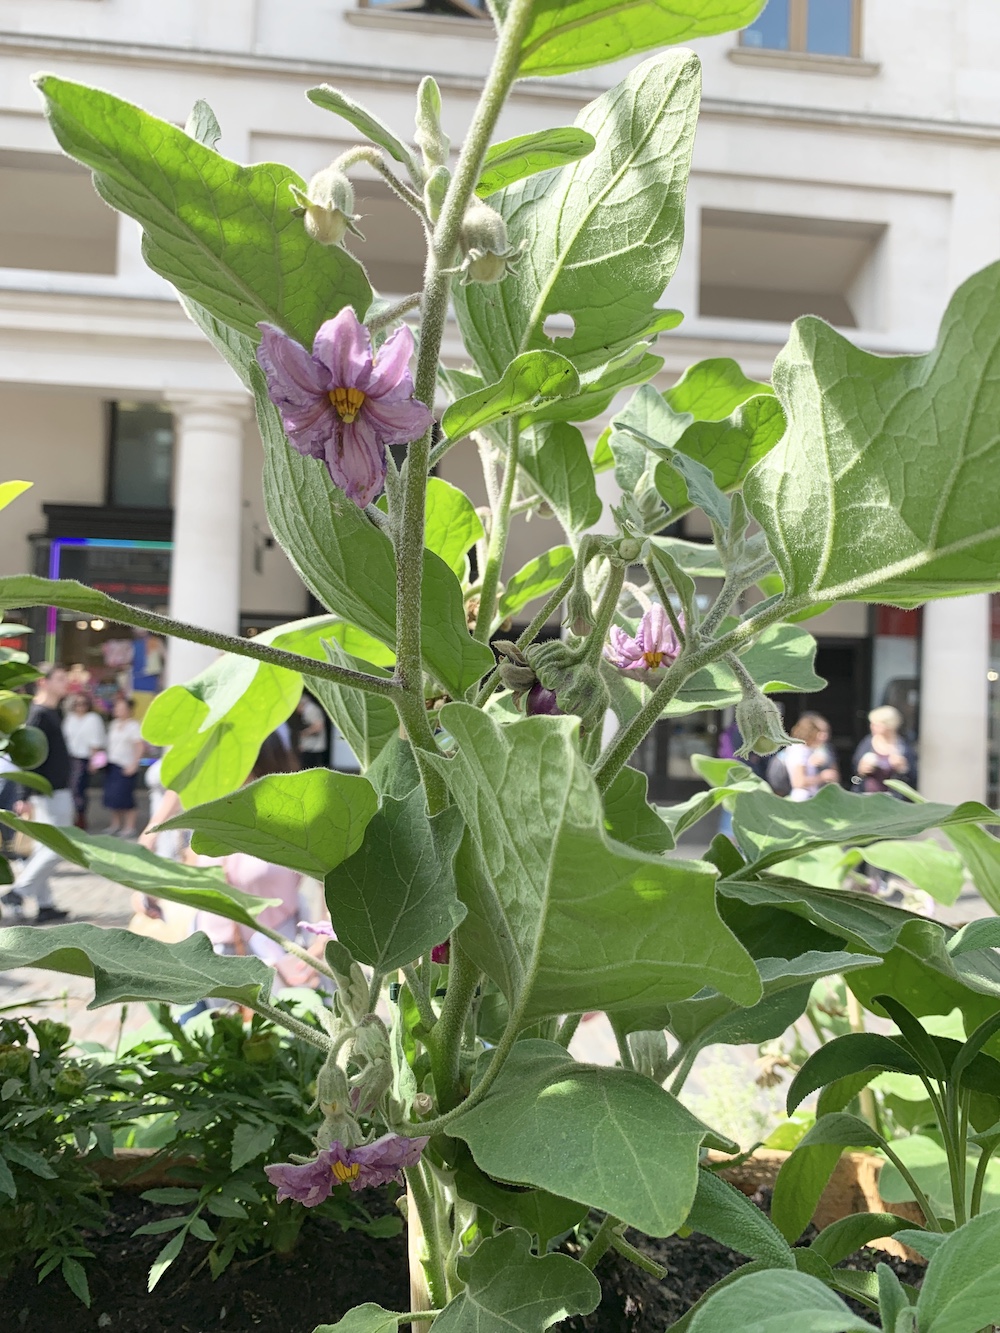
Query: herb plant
(490, 814)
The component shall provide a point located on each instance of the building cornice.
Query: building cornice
(559, 90)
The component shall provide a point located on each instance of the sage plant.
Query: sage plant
(495, 870)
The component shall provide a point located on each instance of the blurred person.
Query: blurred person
(883, 754)
(86, 738)
(32, 880)
(312, 737)
(812, 764)
(125, 750)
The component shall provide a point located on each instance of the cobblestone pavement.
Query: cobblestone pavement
(721, 1087)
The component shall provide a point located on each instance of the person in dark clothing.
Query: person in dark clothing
(883, 754)
(33, 877)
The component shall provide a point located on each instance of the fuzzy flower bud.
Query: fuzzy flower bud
(577, 684)
(332, 1092)
(430, 138)
(327, 207)
(488, 253)
(371, 1040)
(435, 189)
(579, 617)
(760, 725)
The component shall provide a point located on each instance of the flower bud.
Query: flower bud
(760, 725)
(49, 1033)
(261, 1048)
(579, 617)
(423, 1103)
(430, 138)
(14, 1061)
(371, 1039)
(370, 1086)
(327, 207)
(332, 1091)
(70, 1082)
(488, 253)
(629, 549)
(541, 702)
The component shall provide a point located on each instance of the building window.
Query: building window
(818, 27)
(775, 267)
(51, 217)
(140, 456)
(464, 8)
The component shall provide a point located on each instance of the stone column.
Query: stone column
(208, 511)
(954, 699)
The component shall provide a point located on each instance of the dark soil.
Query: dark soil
(329, 1272)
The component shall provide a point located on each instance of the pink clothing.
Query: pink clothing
(252, 875)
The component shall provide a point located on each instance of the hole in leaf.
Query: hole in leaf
(559, 325)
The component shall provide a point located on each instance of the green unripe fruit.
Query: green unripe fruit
(14, 1061)
(27, 747)
(13, 711)
(70, 1082)
(49, 1033)
(261, 1048)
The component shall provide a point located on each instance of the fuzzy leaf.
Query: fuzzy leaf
(530, 380)
(775, 1302)
(554, 456)
(528, 154)
(537, 578)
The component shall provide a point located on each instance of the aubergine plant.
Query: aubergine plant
(496, 868)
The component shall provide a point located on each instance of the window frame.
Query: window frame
(112, 413)
(460, 8)
(798, 32)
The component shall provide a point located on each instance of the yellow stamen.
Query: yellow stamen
(348, 403)
(341, 1170)
(653, 659)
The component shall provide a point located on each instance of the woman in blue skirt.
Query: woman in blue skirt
(125, 748)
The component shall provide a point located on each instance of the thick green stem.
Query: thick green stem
(643, 1261)
(979, 1180)
(437, 1284)
(666, 602)
(445, 1039)
(601, 1243)
(434, 312)
(499, 532)
(421, 997)
(499, 1059)
(301, 1030)
(605, 611)
(567, 1029)
(551, 603)
(391, 314)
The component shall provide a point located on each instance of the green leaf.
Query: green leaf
(509, 1290)
(530, 380)
(926, 864)
(367, 722)
(612, 222)
(566, 35)
(775, 1302)
(223, 234)
(587, 1132)
(722, 1212)
(128, 967)
(170, 1195)
(348, 563)
(165, 1258)
(961, 1291)
(368, 125)
(451, 525)
(215, 724)
(629, 818)
(805, 1172)
(540, 1213)
(366, 1318)
(780, 660)
(75, 1277)
(926, 1160)
(729, 448)
(582, 923)
(853, 1053)
(983, 934)
(712, 390)
(395, 898)
(537, 578)
(203, 125)
(876, 491)
(699, 559)
(926, 1243)
(219, 1206)
(528, 154)
(249, 1141)
(768, 827)
(30, 1160)
(8, 1185)
(200, 887)
(842, 1238)
(981, 853)
(554, 456)
(309, 821)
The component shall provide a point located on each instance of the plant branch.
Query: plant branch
(299, 1029)
(445, 1039)
(601, 1242)
(397, 311)
(499, 532)
(437, 1284)
(666, 602)
(297, 951)
(420, 996)
(643, 1261)
(605, 611)
(567, 1029)
(528, 636)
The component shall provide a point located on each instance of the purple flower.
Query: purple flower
(541, 702)
(654, 648)
(343, 404)
(362, 1168)
(318, 928)
(441, 953)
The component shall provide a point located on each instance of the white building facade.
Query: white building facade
(847, 164)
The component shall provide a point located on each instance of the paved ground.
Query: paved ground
(722, 1087)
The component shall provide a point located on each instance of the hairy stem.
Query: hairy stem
(445, 1039)
(437, 1284)
(394, 312)
(420, 997)
(666, 602)
(497, 1062)
(605, 611)
(297, 951)
(499, 532)
(601, 1243)
(567, 1029)
(301, 1030)
(434, 311)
